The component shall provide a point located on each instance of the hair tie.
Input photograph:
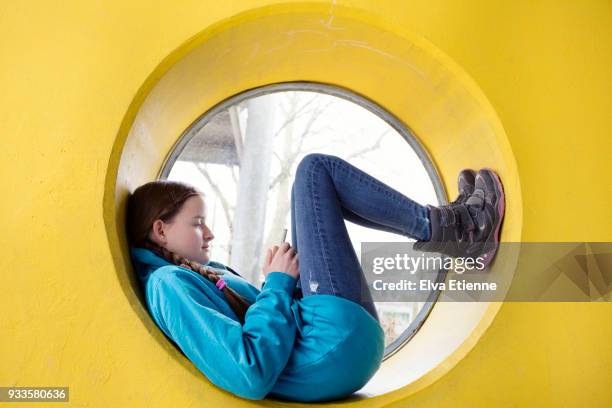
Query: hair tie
(221, 284)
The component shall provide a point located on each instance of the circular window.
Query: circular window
(264, 133)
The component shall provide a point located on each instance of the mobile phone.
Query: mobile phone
(284, 236)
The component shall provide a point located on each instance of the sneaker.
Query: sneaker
(444, 236)
(452, 227)
(469, 228)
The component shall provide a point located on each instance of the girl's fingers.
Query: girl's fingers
(279, 252)
(284, 247)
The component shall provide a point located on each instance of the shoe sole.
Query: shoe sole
(501, 206)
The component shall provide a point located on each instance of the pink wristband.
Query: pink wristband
(221, 284)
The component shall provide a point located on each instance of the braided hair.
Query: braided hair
(163, 199)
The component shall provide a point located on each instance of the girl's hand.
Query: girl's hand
(282, 259)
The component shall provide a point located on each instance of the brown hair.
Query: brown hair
(163, 199)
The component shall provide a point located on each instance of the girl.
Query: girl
(322, 342)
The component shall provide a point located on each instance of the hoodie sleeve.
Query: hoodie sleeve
(245, 360)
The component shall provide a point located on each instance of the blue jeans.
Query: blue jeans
(328, 190)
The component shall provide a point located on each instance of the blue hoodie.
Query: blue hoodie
(316, 348)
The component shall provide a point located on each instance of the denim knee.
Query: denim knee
(312, 159)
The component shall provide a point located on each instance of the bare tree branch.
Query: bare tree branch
(227, 208)
(288, 163)
(375, 146)
(299, 112)
(234, 174)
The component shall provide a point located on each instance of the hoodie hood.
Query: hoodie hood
(145, 261)
(147, 257)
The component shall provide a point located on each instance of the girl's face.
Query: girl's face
(187, 235)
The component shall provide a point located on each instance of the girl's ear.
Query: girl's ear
(158, 234)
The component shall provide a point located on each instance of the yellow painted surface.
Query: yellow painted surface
(73, 79)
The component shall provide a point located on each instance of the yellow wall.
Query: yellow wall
(68, 76)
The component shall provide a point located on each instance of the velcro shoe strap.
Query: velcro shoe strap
(466, 218)
(447, 216)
